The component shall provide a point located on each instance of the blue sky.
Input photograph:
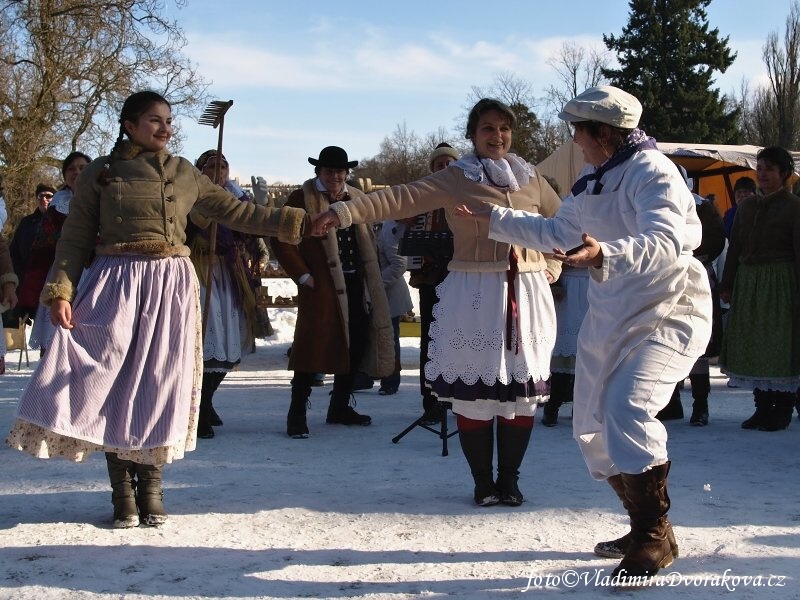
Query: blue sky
(304, 75)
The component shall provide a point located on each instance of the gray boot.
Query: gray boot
(149, 495)
(121, 473)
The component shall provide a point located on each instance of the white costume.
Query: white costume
(649, 312)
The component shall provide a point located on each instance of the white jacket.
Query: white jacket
(649, 286)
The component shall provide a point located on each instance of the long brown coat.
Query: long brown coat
(321, 339)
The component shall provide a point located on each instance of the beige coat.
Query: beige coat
(143, 210)
(448, 188)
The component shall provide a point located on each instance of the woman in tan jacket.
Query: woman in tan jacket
(122, 373)
(494, 325)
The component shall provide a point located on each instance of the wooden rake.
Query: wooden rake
(213, 115)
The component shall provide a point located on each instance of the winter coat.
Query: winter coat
(393, 268)
(144, 210)
(29, 267)
(650, 287)
(766, 230)
(321, 338)
(448, 188)
(21, 243)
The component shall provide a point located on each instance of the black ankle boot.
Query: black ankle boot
(211, 383)
(673, 410)
(560, 386)
(779, 414)
(296, 426)
(208, 416)
(204, 429)
(699, 416)
(340, 412)
(701, 388)
(550, 414)
(763, 406)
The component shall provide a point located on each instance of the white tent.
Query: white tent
(713, 167)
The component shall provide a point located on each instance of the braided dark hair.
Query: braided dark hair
(134, 107)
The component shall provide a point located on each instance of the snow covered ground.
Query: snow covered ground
(348, 514)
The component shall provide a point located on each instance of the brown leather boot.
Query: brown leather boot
(649, 549)
(618, 547)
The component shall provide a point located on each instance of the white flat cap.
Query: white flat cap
(605, 104)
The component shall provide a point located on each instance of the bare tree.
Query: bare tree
(65, 68)
(756, 110)
(783, 68)
(531, 140)
(403, 157)
(770, 113)
(577, 68)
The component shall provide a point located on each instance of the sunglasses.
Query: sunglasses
(45, 196)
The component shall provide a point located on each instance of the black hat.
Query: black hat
(333, 157)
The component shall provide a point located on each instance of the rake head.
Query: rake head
(214, 113)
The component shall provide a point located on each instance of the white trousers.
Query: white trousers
(631, 439)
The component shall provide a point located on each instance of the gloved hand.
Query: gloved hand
(260, 191)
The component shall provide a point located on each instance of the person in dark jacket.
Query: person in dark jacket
(22, 242)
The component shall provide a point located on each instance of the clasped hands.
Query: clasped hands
(589, 254)
(321, 223)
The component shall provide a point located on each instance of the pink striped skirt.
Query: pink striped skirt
(126, 378)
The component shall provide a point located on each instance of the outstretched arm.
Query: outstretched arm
(588, 254)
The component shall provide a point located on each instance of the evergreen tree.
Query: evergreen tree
(667, 58)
